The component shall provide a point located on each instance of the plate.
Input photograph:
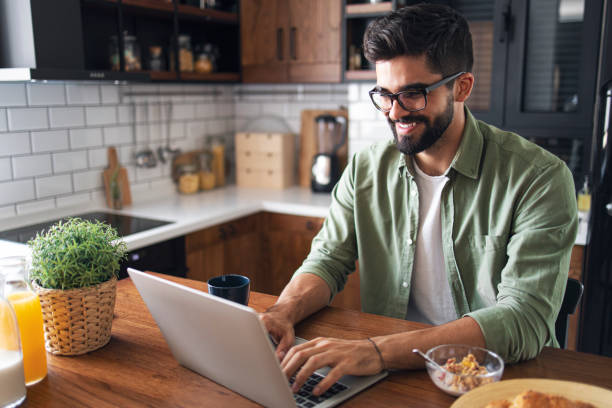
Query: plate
(508, 389)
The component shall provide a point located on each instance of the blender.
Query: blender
(331, 136)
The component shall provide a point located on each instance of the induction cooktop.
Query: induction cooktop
(124, 224)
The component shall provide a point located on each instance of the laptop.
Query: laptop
(226, 342)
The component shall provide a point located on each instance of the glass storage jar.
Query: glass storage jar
(185, 53)
(131, 53)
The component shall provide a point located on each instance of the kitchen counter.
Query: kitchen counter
(189, 213)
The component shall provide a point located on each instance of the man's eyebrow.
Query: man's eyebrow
(414, 86)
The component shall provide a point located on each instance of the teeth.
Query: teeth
(406, 125)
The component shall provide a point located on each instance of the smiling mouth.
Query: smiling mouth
(405, 127)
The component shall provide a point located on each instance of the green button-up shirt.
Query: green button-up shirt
(509, 221)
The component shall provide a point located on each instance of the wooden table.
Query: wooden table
(136, 367)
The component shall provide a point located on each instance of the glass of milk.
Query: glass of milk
(12, 380)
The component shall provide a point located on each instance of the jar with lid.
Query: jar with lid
(185, 53)
(206, 58)
(13, 390)
(131, 53)
(26, 304)
(156, 59)
(207, 177)
(188, 178)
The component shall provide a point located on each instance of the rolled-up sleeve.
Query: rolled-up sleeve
(533, 280)
(334, 251)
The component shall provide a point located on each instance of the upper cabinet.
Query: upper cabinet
(291, 40)
(159, 40)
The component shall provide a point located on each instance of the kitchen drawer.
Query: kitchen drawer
(264, 177)
(264, 142)
(259, 160)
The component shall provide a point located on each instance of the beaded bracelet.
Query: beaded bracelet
(382, 361)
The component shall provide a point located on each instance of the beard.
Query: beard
(410, 144)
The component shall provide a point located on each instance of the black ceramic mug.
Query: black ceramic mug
(230, 287)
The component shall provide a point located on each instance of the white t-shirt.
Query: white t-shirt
(430, 295)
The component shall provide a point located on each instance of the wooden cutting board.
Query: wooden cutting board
(122, 179)
(309, 143)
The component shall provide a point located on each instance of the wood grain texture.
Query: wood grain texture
(136, 369)
(115, 170)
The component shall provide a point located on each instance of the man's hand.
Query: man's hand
(280, 328)
(356, 357)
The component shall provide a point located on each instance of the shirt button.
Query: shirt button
(413, 193)
(409, 241)
(405, 284)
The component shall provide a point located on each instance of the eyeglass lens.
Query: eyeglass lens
(410, 101)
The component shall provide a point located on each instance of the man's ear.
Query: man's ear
(463, 87)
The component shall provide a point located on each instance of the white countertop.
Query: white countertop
(188, 213)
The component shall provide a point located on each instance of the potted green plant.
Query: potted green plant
(74, 271)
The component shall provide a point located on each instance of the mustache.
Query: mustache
(409, 119)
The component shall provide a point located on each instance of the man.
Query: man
(455, 222)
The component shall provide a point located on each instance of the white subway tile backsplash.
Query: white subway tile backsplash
(110, 94)
(362, 111)
(29, 166)
(36, 206)
(46, 94)
(117, 135)
(375, 130)
(197, 130)
(66, 117)
(353, 92)
(81, 138)
(98, 157)
(3, 121)
(87, 180)
(49, 140)
(125, 113)
(27, 118)
(104, 115)
(364, 89)
(54, 185)
(16, 191)
(80, 94)
(144, 173)
(75, 199)
(6, 172)
(14, 143)
(177, 130)
(7, 212)
(69, 161)
(12, 95)
(205, 111)
(183, 111)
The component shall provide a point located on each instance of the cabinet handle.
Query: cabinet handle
(232, 230)
(506, 23)
(222, 233)
(292, 47)
(279, 44)
(310, 225)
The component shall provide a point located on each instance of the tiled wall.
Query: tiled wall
(54, 136)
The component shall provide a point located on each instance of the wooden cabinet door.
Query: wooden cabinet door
(229, 248)
(314, 40)
(264, 34)
(286, 241)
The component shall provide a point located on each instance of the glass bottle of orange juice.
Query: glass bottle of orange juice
(27, 308)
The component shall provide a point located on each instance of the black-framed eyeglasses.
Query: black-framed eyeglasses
(411, 100)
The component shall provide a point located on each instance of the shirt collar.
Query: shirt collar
(467, 158)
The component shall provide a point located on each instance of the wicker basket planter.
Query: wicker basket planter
(77, 321)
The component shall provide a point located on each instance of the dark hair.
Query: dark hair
(437, 31)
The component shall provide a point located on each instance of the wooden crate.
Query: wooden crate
(265, 160)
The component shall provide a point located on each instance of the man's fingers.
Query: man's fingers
(330, 379)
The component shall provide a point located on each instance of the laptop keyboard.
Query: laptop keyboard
(304, 398)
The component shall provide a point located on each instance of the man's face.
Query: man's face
(415, 132)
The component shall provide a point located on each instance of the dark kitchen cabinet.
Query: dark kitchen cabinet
(95, 39)
(291, 40)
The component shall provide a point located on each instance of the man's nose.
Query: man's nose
(396, 112)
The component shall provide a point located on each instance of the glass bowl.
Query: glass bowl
(459, 384)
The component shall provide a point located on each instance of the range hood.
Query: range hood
(44, 40)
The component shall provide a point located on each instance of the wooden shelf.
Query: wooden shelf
(162, 75)
(212, 77)
(208, 14)
(183, 10)
(358, 10)
(360, 75)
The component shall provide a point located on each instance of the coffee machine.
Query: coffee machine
(331, 136)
